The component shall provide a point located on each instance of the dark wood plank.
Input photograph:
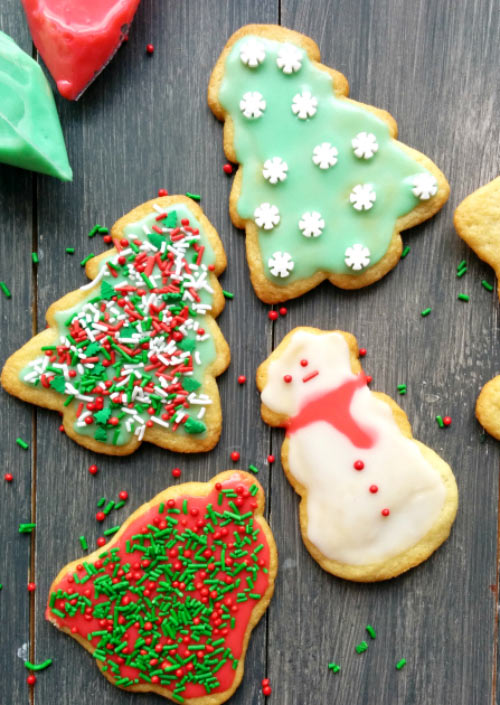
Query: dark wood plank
(432, 66)
(143, 125)
(16, 316)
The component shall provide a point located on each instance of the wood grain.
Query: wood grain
(144, 124)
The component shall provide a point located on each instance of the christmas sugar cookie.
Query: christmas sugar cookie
(477, 220)
(323, 189)
(374, 501)
(169, 604)
(133, 355)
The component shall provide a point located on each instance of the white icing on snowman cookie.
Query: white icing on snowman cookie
(371, 493)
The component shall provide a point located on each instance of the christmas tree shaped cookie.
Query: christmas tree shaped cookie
(77, 39)
(169, 604)
(477, 220)
(30, 131)
(374, 501)
(324, 189)
(133, 356)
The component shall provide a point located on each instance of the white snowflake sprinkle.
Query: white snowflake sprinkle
(252, 105)
(363, 197)
(266, 216)
(311, 224)
(325, 155)
(424, 186)
(281, 264)
(289, 58)
(252, 53)
(275, 170)
(304, 105)
(365, 145)
(357, 257)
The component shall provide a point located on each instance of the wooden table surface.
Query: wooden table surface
(144, 124)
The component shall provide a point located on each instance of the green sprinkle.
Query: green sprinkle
(228, 294)
(194, 196)
(22, 443)
(5, 289)
(401, 664)
(463, 297)
(334, 667)
(362, 646)
(461, 272)
(94, 230)
(58, 613)
(111, 531)
(147, 280)
(405, 251)
(440, 421)
(425, 312)
(83, 543)
(26, 528)
(103, 230)
(253, 469)
(371, 631)
(401, 389)
(38, 666)
(486, 285)
(120, 504)
(70, 250)
(462, 264)
(34, 257)
(101, 502)
(1, 586)
(86, 259)
(185, 506)
(108, 507)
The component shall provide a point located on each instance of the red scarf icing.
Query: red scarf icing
(334, 407)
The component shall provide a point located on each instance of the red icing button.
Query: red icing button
(373, 489)
(77, 39)
(359, 465)
(287, 379)
(385, 512)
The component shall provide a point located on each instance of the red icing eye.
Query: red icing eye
(287, 379)
(385, 512)
(373, 489)
(359, 465)
(304, 363)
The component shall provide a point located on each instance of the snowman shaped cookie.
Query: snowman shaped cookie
(374, 501)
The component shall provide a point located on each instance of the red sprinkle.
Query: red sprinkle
(93, 469)
(8, 477)
(107, 239)
(100, 516)
(31, 679)
(447, 420)
(272, 315)
(235, 456)
(101, 541)
(368, 379)
(61, 428)
(123, 495)
(242, 379)
(359, 465)
(227, 169)
(31, 587)
(176, 472)
(162, 192)
(271, 459)
(362, 352)
(283, 311)
(385, 512)
(150, 49)
(373, 489)
(266, 690)
(287, 379)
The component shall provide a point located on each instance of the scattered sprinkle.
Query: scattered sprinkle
(334, 667)
(31, 587)
(83, 543)
(94, 230)
(401, 664)
(362, 646)
(111, 531)
(34, 257)
(38, 666)
(266, 687)
(283, 311)
(227, 169)
(228, 294)
(194, 196)
(5, 289)
(253, 469)
(176, 472)
(70, 250)
(242, 379)
(103, 230)
(362, 352)
(22, 443)
(270, 459)
(8, 477)
(371, 631)
(26, 528)
(162, 192)
(93, 469)
(31, 679)
(440, 421)
(272, 315)
(447, 420)
(425, 312)
(150, 50)
(463, 297)
(86, 259)
(235, 456)
(486, 285)
(401, 389)
(405, 251)
(461, 272)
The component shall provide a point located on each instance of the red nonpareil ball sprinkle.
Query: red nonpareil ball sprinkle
(150, 49)
(385, 512)
(227, 169)
(101, 541)
(31, 587)
(100, 516)
(31, 679)
(123, 495)
(368, 379)
(93, 469)
(270, 459)
(362, 352)
(162, 192)
(61, 428)
(8, 477)
(235, 456)
(242, 379)
(447, 420)
(272, 315)
(287, 379)
(107, 239)
(373, 489)
(176, 472)
(283, 311)
(265, 681)
(266, 690)
(359, 465)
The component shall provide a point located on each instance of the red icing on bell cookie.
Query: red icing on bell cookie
(170, 602)
(77, 39)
